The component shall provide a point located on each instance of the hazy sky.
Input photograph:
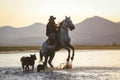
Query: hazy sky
(26, 12)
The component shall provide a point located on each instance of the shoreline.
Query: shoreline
(37, 48)
(37, 51)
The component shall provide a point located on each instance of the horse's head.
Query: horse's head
(68, 23)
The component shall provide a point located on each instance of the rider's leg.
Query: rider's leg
(51, 39)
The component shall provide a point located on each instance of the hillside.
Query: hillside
(92, 31)
(96, 31)
(29, 35)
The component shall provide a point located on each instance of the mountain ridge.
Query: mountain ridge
(97, 30)
(91, 31)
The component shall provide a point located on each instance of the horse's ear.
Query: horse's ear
(66, 17)
(69, 17)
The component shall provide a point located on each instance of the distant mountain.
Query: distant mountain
(92, 31)
(96, 31)
(29, 35)
(118, 22)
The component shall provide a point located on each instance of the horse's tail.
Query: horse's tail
(41, 56)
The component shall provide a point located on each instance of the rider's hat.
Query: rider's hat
(52, 18)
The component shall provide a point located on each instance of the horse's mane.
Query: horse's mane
(61, 23)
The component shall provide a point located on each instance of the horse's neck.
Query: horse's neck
(63, 31)
(64, 35)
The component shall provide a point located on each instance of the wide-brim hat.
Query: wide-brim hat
(52, 18)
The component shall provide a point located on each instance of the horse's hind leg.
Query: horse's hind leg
(45, 62)
(72, 52)
(51, 58)
(41, 56)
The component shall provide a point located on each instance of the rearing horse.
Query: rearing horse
(64, 40)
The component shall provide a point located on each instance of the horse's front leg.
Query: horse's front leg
(51, 58)
(68, 54)
(72, 52)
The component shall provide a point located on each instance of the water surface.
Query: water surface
(100, 58)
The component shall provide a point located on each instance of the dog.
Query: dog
(41, 67)
(28, 61)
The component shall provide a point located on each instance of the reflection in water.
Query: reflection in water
(104, 58)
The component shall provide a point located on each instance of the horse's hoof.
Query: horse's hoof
(71, 58)
(52, 66)
(67, 66)
(67, 60)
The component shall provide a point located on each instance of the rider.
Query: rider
(51, 31)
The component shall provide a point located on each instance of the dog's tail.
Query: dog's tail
(22, 59)
(41, 56)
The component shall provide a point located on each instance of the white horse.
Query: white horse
(64, 41)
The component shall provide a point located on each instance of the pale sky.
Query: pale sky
(20, 13)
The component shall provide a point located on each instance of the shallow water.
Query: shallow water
(87, 65)
(102, 58)
(72, 74)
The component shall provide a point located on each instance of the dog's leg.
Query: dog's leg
(23, 67)
(32, 68)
